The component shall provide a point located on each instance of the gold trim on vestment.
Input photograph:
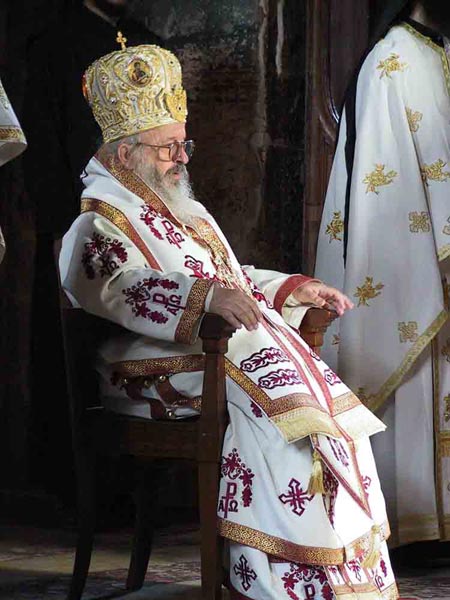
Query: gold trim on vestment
(118, 218)
(390, 593)
(443, 252)
(393, 381)
(160, 366)
(295, 415)
(195, 305)
(312, 555)
(11, 134)
(344, 403)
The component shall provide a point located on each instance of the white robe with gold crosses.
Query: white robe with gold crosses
(127, 258)
(396, 272)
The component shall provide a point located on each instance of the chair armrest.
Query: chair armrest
(214, 327)
(314, 325)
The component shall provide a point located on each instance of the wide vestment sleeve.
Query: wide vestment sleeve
(399, 174)
(103, 272)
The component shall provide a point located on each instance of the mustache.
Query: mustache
(177, 170)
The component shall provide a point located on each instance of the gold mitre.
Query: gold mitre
(135, 89)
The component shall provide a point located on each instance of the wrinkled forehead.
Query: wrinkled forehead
(164, 134)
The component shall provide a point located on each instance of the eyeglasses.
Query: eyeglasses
(173, 150)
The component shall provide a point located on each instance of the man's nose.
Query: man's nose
(182, 157)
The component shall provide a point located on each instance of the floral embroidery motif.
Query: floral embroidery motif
(445, 350)
(414, 118)
(279, 378)
(367, 292)
(297, 498)
(408, 331)
(335, 227)
(314, 355)
(256, 293)
(447, 408)
(233, 468)
(355, 567)
(340, 453)
(138, 295)
(256, 410)
(105, 251)
(245, 573)
(390, 65)
(330, 377)
(434, 172)
(420, 222)
(310, 577)
(263, 358)
(378, 178)
(446, 229)
(148, 215)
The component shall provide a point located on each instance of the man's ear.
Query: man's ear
(125, 154)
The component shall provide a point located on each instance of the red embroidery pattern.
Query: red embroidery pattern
(296, 498)
(140, 294)
(148, 215)
(339, 451)
(174, 237)
(105, 251)
(309, 577)
(330, 377)
(314, 355)
(263, 358)
(256, 410)
(355, 567)
(245, 573)
(257, 294)
(235, 469)
(279, 378)
(331, 486)
(366, 480)
(197, 268)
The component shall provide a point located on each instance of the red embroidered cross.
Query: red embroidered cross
(245, 573)
(297, 498)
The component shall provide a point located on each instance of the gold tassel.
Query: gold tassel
(374, 555)
(316, 480)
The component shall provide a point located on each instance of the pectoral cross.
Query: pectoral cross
(120, 39)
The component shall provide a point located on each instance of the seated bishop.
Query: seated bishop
(300, 503)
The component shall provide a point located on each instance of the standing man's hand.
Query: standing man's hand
(323, 296)
(235, 307)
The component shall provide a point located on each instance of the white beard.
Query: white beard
(179, 197)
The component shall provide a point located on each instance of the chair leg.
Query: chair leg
(145, 501)
(211, 545)
(86, 526)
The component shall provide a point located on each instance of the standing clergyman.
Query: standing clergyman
(300, 501)
(385, 240)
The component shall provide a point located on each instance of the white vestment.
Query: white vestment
(393, 349)
(127, 258)
(12, 141)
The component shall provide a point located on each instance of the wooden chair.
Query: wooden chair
(98, 432)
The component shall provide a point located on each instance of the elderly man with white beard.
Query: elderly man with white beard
(300, 503)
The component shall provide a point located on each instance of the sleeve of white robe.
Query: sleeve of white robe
(104, 273)
(279, 288)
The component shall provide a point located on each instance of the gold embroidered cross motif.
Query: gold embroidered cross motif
(367, 292)
(390, 65)
(435, 172)
(447, 408)
(445, 351)
(414, 118)
(446, 229)
(336, 340)
(408, 331)
(335, 227)
(377, 178)
(420, 222)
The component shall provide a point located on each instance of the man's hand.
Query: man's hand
(235, 307)
(323, 296)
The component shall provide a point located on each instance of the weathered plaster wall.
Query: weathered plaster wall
(236, 57)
